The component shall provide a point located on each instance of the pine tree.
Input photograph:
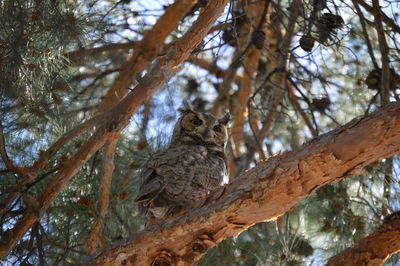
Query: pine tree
(89, 90)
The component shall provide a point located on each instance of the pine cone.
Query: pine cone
(258, 38)
(307, 43)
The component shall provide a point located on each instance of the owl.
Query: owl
(189, 170)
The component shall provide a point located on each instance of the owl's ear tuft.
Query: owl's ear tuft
(186, 108)
(225, 119)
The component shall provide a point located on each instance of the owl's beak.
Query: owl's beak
(206, 134)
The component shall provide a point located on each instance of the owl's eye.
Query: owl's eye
(217, 129)
(196, 121)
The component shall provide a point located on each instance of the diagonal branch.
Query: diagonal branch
(365, 33)
(263, 193)
(7, 161)
(373, 249)
(390, 22)
(118, 117)
(296, 104)
(32, 172)
(147, 50)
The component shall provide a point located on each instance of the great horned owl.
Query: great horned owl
(193, 166)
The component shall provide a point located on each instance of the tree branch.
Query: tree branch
(148, 49)
(385, 86)
(365, 33)
(373, 249)
(7, 161)
(32, 172)
(118, 117)
(278, 65)
(263, 193)
(256, 13)
(77, 54)
(390, 22)
(296, 104)
(93, 241)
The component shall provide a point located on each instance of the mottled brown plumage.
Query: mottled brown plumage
(186, 173)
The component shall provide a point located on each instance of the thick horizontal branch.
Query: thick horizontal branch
(263, 193)
(373, 249)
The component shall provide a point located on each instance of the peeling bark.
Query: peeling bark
(373, 249)
(262, 193)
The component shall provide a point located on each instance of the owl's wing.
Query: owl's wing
(212, 173)
(178, 177)
(151, 188)
(150, 184)
(160, 171)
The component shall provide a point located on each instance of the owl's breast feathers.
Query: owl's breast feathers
(180, 176)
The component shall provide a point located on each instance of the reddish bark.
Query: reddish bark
(7, 161)
(114, 120)
(255, 13)
(94, 240)
(278, 60)
(263, 193)
(150, 46)
(373, 249)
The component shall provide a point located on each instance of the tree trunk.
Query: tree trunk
(263, 193)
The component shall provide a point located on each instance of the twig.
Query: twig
(118, 117)
(7, 161)
(306, 100)
(295, 102)
(385, 18)
(146, 51)
(385, 79)
(74, 55)
(365, 33)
